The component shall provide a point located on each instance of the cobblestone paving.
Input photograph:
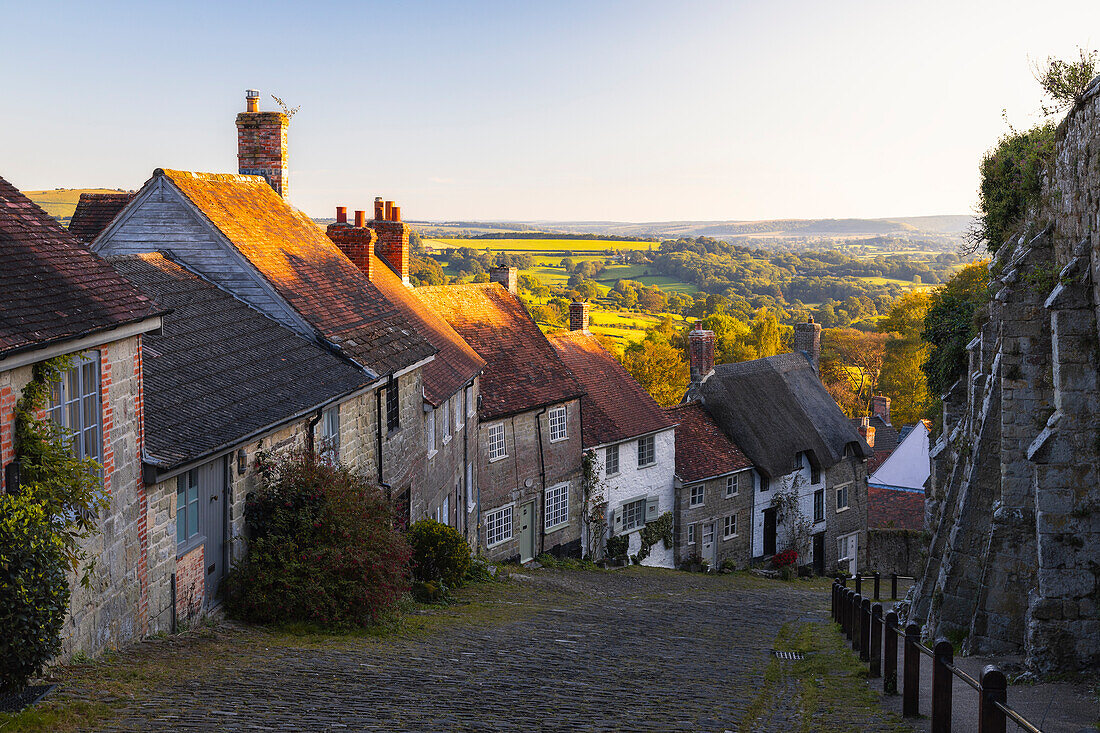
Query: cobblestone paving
(610, 652)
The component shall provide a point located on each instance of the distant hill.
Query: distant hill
(60, 203)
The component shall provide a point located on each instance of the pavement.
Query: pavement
(634, 650)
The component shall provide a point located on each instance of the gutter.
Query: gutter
(73, 343)
(381, 482)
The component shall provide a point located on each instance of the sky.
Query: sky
(516, 110)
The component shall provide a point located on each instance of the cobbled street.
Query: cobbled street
(630, 650)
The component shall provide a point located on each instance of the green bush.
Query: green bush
(322, 549)
(440, 553)
(34, 590)
(618, 546)
(1011, 181)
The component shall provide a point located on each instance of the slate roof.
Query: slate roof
(702, 449)
(523, 371)
(306, 268)
(94, 211)
(886, 436)
(52, 288)
(894, 509)
(775, 408)
(220, 371)
(456, 363)
(614, 406)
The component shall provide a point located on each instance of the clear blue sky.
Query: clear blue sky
(636, 111)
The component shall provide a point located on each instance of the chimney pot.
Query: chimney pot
(397, 213)
(262, 145)
(389, 211)
(360, 218)
(379, 209)
(252, 100)
(341, 215)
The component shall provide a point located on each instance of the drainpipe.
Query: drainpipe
(542, 474)
(381, 483)
(310, 425)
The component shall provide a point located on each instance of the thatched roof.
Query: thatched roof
(775, 408)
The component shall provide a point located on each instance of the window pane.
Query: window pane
(193, 519)
(181, 525)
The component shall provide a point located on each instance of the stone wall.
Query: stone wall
(716, 507)
(1015, 495)
(900, 551)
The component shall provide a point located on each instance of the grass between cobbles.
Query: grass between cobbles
(827, 685)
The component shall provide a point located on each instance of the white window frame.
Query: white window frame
(611, 450)
(819, 493)
(708, 531)
(647, 447)
(446, 406)
(496, 453)
(729, 526)
(697, 495)
(431, 432)
(640, 514)
(445, 510)
(471, 403)
(559, 424)
(187, 489)
(731, 486)
(457, 410)
(691, 534)
(86, 425)
(555, 507)
(847, 498)
(499, 519)
(470, 486)
(330, 435)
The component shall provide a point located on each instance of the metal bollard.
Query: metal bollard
(991, 719)
(857, 601)
(875, 669)
(890, 658)
(910, 702)
(942, 654)
(876, 585)
(865, 630)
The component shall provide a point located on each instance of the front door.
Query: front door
(709, 550)
(769, 531)
(819, 553)
(212, 482)
(527, 532)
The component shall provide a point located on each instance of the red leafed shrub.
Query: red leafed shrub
(322, 548)
(785, 558)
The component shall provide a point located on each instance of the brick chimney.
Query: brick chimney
(578, 315)
(261, 144)
(807, 339)
(506, 276)
(880, 407)
(866, 431)
(700, 352)
(357, 242)
(393, 237)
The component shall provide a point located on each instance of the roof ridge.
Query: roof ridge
(200, 176)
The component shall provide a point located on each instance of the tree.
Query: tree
(862, 354)
(660, 369)
(950, 324)
(1065, 82)
(903, 380)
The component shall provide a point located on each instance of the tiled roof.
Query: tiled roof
(894, 509)
(220, 370)
(305, 267)
(614, 406)
(52, 288)
(94, 211)
(877, 460)
(523, 371)
(776, 408)
(702, 449)
(886, 436)
(456, 363)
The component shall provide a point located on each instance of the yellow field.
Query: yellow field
(562, 246)
(60, 203)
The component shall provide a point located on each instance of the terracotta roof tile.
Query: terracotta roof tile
(456, 363)
(703, 450)
(52, 288)
(523, 371)
(614, 406)
(94, 211)
(894, 509)
(305, 267)
(219, 370)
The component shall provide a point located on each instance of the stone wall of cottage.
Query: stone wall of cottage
(1015, 497)
(113, 610)
(716, 507)
(516, 479)
(445, 466)
(403, 453)
(636, 482)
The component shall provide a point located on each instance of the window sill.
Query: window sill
(489, 546)
(190, 546)
(559, 440)
(731, 496)
(447, 439)
(494, 460)
(819, 521)
(696, 506)
(556, 527)
(843, 509)
(730, 536)
(613, 475)
(648, 465)
(432, 454)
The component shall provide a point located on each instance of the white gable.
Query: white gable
(908, 466)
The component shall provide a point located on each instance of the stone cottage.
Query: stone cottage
(57, 299)
(223, 384)
(714, 491)
(529, 484)
(809, 462)
(631, 439)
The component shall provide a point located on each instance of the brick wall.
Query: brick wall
(190, 586)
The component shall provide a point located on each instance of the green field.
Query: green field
(562, 247)
(60, 203)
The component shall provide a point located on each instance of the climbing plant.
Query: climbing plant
(659, 530)
(594, 513)
(788, 513)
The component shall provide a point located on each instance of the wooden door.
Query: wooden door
(819, 553)
(527, 532)
(212, 497)
(769, 531)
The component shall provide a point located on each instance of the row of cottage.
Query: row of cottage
(215, 324)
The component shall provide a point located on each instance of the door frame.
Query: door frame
(770, 512)
(529, 531)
